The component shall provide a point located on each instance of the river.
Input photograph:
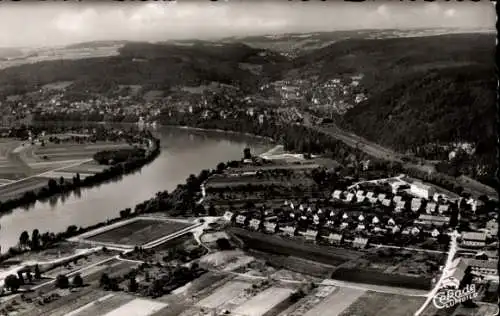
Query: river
(184, 152)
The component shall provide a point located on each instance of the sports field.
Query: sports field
(139, 232)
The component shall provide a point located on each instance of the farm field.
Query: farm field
(68, 151)
(65, 175)
(281, 246)
(139, 232)
(224, 294)
(16, 189)
(379, 278)
(263, 302)
(87, 167)
(337, 302)
(382, 304)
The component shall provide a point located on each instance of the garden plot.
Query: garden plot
(263, 302)
(18, 188)
(228, 292)
(308, 302)
(337, 302)
(212, 237)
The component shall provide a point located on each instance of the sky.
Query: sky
(45, 23)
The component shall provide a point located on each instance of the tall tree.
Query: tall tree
(24, 239)
(77, 280)
(12, 283)
(62, 281)
(35, 239)
(247, 154)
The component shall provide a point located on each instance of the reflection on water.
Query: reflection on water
(184, 152)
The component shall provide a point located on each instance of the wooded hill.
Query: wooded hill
(154, 66)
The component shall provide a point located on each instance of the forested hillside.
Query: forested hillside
(155, 66)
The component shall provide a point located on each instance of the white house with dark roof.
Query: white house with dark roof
(416, 204)
(361, 227)
(435, 233)
(240, 219)
(473, 239)
(391, 222)
(335, 239)
(381, 197)
(310, 234)
(349, 197)
(397, 198)
(360, 193)
(361, 217)
(337, 194)
(422, 190)
(386, 202)
(270, 227)
(228, 216)
(373, 200)
(430, 208)
(370, 194)
(344, 225)
(288, 231)
(360, 242)
(254, 224)
(316, 219)
(375, 220)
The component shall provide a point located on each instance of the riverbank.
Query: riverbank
(52, 188)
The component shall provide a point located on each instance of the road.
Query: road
(446, 271)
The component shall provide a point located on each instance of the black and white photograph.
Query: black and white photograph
(248, 158)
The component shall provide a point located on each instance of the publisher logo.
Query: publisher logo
(450, 298)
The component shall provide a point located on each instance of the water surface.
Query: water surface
(184, 152)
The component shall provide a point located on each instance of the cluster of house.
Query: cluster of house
(339, 223)
(270, 226)
(431, 212)
(482, 267)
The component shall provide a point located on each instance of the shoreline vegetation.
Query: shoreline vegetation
(182, 200)
(121, 162)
